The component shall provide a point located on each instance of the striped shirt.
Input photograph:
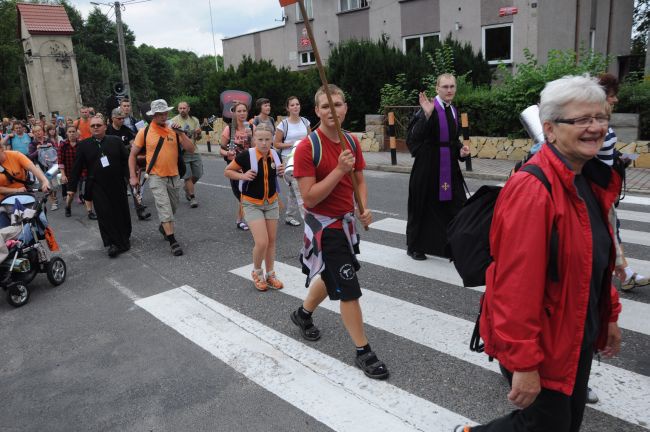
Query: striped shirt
(606, 153)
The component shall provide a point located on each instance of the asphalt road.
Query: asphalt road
(89, 356)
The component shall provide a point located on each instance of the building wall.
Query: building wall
(236, 48)
(51, 73)
(539, 25)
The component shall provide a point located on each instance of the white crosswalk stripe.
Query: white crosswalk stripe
(619, 389)
(633, 215)
(330, 391)
(634, 316)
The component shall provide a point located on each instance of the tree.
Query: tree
(11, 102)
(640, 26)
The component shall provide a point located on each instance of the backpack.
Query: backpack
(317, 146)
(285, 126)
(252, 155)
(47, 156)
(468, 234)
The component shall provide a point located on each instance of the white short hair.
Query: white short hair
(571, 88)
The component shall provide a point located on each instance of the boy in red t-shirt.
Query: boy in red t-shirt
(329, 222)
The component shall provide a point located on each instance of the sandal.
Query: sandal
(307, 328)
(371, 366)
(636, 280)
(176, 249)
(242, 226)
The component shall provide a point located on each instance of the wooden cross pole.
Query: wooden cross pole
(323, 78)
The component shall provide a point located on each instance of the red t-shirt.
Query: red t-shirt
(341, 200)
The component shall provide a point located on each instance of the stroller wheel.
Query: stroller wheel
(17, 295)
(56, 271)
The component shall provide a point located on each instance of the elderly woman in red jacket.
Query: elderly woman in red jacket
(545, 330)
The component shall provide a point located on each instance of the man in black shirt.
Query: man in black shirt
(116, 127)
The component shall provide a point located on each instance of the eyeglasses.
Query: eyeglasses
(585, 121)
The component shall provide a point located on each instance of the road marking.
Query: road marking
(633, 215)
(633, 317)
(636, 237)
(635, 199)
(332, 392)
(124, 290)
(619, 390)
(214, 185)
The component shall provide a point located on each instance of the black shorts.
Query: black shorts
(341, 266)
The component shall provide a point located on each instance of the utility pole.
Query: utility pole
(214, 44)
(122, 48)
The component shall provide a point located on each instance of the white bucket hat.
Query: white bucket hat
(159, 106)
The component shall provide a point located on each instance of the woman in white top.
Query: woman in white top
(288, 134)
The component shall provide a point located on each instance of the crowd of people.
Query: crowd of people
(574, 313)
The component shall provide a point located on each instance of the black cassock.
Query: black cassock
(428, 216)
(106, 186)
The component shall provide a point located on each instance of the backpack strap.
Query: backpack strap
(305, 122)
(554, 245)
(351, 141)
(316, 147)
(285, 128)
(252, 157)
(11, 178)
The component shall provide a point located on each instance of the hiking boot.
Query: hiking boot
(636, 280)
(194, 203)
(273, 282)
(258, 280)
(307, 328)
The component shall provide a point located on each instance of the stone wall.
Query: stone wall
(516, 149)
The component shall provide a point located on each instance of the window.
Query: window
(307, 58)
(346, 5)
(497, 43)
(310, 10)
(420, 42)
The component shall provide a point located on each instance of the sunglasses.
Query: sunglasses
(95, 126)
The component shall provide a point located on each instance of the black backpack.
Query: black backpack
(468, 234)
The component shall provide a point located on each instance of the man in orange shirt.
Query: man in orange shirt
(83, 124)
(162, 166)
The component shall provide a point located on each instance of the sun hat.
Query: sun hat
(159, 106)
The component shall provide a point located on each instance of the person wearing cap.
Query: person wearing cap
(193, 162)
(162, 166)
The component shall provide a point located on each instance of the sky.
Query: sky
(185, 24)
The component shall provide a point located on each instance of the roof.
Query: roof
(252, 32)
(44, 19)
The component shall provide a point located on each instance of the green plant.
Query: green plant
(397, 94)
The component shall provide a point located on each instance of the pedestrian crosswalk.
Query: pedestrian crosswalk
(345, 400)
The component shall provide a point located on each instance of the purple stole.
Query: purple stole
(444, 184)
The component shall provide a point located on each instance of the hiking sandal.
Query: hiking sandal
(177, 250)
(307, 328)
(371, 366)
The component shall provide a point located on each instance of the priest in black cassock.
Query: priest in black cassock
(106, 159)
(436, 191)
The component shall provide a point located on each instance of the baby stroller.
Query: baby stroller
(24, 225)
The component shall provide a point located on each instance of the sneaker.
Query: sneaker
(635, 280)
(194, 203)
(273, 282)
(68, 212)
(258, 281)
(54, 206)
(92, 215)
(592, 397)
(292, 221)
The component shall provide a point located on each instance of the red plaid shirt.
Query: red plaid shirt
(67, 156)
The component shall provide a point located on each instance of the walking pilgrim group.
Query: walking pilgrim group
(549, 389)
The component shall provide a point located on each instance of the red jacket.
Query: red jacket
(528, 322)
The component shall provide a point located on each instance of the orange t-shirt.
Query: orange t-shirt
(167, 162)
(83, 127)
(15, 163)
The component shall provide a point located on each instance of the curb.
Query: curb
(407, 170)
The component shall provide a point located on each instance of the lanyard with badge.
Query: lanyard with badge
(103, 159)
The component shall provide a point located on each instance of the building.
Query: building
(44, 31)
(491, 26)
